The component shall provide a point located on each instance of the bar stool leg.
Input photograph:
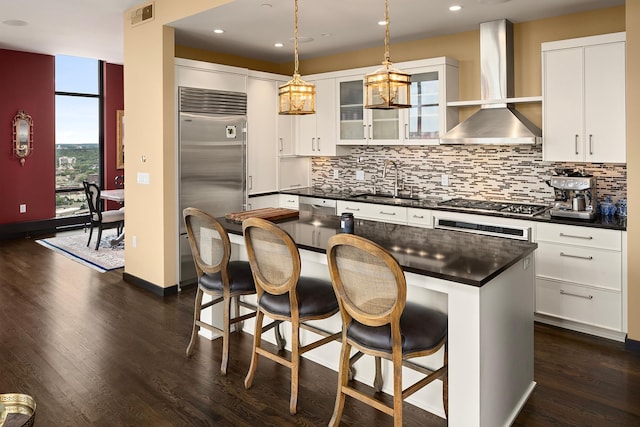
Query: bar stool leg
(257, 337)
(225, 335)
(378, 381)
(196, 319)
(343, 378)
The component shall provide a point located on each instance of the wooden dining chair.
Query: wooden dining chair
(218, 277)
(284, 295)
(99, 218)
(377, 320)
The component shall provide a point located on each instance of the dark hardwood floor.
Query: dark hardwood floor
(96, 351)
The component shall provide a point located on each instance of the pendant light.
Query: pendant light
(297, 96)
(387, 88)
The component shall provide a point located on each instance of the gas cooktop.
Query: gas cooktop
(523, 209)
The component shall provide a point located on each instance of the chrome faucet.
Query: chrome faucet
(384, 175)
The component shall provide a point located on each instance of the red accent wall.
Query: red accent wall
(114, 100)
(27, 83)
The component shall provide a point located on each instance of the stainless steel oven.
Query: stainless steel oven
(317, 206)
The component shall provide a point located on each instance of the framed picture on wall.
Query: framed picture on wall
(120, 139)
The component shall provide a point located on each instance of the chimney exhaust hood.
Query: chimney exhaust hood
(495, 123)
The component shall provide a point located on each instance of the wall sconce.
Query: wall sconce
(22, 136)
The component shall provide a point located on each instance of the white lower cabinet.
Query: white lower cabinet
(383, 213)
(290, 201)
(419, 217)
(580, 279)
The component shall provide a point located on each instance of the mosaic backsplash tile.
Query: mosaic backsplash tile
(510, 173)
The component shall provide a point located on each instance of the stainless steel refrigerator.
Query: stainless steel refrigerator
(212, 159)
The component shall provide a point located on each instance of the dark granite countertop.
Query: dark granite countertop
(467, 258)
(613, 222)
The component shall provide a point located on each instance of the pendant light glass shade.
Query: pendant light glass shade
(297, 97)
(387, 88)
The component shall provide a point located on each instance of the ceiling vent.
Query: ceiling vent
(142, 14)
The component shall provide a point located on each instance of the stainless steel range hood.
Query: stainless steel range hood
(495, 123)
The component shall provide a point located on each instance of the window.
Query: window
(78, 131)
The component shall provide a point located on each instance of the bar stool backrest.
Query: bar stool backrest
(209, 241)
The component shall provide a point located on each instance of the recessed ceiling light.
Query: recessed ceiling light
(278, 44)
(218, 31)
(382, 23)
(455, 8)
(303, 39)
(15, 22)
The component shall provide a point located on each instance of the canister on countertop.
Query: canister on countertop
(347, 223)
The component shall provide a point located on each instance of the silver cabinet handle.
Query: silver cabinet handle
(281, 145)
(387, 213)
(590, 144)
(418, 216)
(576, 143)
(291, 201)
(295, 185)
(313, 141)
(576, 237)
(370, 132)
(563, 292)
(406, 131)
(347, 208)
(318, 143)
(250, 182)
(588, 258)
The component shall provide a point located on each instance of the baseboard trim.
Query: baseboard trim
(632, 345)
(157, 290)
(20, 230)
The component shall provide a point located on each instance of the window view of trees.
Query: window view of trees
(77, 131)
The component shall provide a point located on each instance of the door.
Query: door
(563, 122)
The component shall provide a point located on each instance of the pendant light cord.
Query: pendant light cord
(387, 59)
(295, 37)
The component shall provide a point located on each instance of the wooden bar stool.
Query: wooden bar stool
(377, 320)
(283, 295)
(218, 277)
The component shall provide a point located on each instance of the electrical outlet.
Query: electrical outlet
(134, 241)
(360, 175)
(23, 208)
(335, 173)
(143, 178)
(444, 180)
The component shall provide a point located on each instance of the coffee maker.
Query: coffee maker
(575, 196)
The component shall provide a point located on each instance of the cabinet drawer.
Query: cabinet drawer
(420, 217)
(583, 304)
(288, 201)
(591, 266)
(580, 236)
(384, 213)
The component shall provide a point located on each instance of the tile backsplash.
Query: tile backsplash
(511, 173)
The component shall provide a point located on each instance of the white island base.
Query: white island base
(490, 342)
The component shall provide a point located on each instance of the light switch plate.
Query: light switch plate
(143, 178)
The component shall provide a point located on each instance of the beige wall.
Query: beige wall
(633, 164)
(150, 140)
(150, 113)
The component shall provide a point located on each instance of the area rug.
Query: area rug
(74, 246)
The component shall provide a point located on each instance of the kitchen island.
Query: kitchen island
(485, 285)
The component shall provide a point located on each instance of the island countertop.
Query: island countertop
(467, 258)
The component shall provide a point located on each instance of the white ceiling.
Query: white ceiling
(94, 28)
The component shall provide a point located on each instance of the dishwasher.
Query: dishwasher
(317, 206)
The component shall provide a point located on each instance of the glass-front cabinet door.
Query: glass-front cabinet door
(422, 120)
(360, 126)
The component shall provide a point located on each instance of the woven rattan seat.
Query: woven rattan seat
(284, 296)
(371, 290)
(223, 280)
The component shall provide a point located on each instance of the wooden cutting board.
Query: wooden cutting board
(270, 214)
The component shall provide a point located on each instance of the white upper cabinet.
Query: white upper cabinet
(316, 133)
(434, 82)
(360, 126)
(584, 99)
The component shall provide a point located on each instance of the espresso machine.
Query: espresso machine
(575, 196)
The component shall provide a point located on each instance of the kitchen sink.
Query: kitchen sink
(383, 198)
